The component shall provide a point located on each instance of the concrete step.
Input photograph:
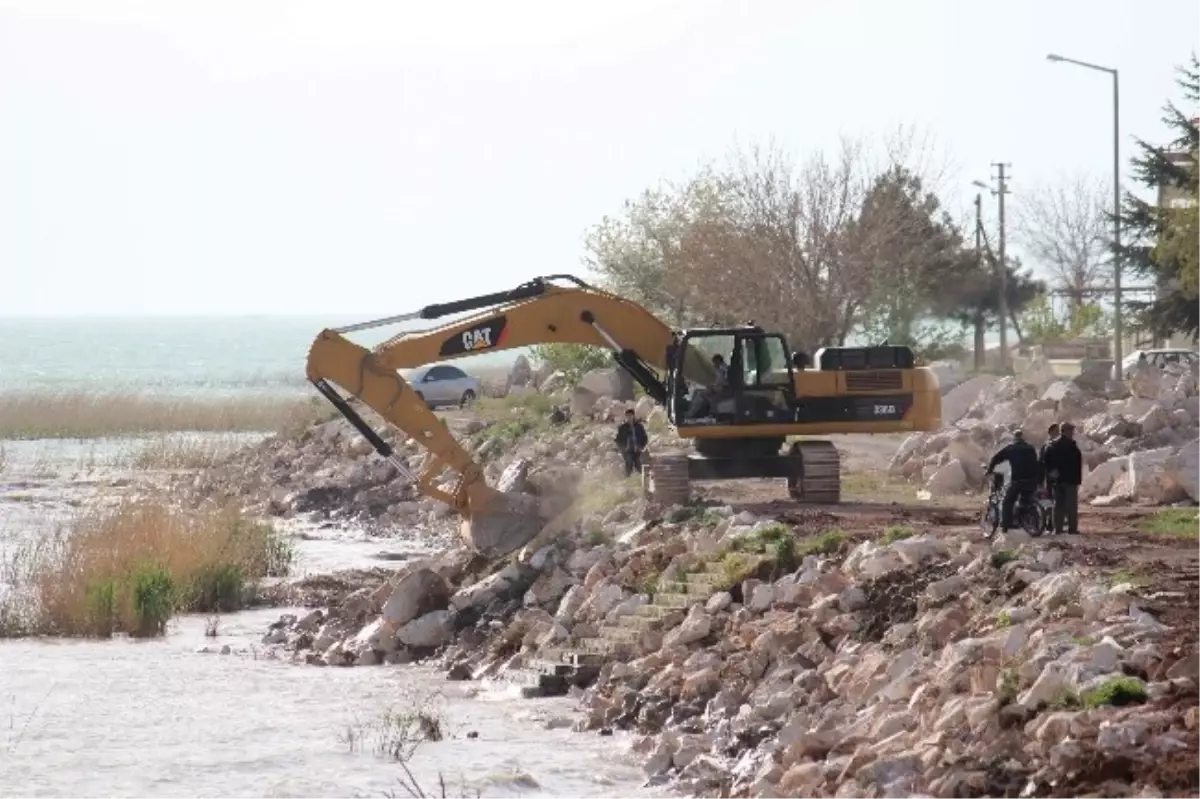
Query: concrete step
(574, 658)
(604, 648)
(677, 601)
(636, 622)
(676, 587)
(614, 632)
(655, 612)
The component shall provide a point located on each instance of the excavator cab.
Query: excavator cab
(731, 376)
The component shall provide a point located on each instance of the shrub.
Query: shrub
(129, 569)
(1116, 691)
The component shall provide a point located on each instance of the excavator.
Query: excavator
(739, 425)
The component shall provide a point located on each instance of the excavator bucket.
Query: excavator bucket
(502, 519)
(510, 522)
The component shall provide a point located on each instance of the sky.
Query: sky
(360, 159)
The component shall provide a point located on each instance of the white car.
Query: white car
(441, 385)
(1159, 358)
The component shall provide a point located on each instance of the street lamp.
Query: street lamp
(1118, 332)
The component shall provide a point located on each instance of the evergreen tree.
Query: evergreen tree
(1160, 243)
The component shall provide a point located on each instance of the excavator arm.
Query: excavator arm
(539, 312)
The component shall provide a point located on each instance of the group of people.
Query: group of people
(1058, 466)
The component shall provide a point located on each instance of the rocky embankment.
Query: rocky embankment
(1139, 437)
(330, 472)
(819, 655)
(912, 661)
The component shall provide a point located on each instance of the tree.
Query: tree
(637, 254)
(804, 249)
(573, 360)
(1161, 239)
(910, 246)
(1044, 326)
(1065, 230)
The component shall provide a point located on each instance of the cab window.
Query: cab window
(765, 362)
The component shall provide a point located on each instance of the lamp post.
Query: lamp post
(1118, 327)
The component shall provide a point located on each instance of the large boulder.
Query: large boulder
(1098, 481)
(948, 479)
(1185, 468)
(1152, 477)
(958, 401)
(429, 631)
(610, 382)
(521, 373)
(415, 594)
(583, 401)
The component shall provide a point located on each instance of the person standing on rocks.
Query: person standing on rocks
(631, 441)
(1023, 478)
(1063, 462)
(1051, 437)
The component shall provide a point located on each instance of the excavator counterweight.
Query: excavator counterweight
(736, 392)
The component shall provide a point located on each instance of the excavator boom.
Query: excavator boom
(538, 312)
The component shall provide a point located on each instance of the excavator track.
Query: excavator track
(818, 473)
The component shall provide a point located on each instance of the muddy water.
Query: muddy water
(175, 717)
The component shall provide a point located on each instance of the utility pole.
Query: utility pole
(1118, 327)
(1001, 190)
(979, 344)
(1001, 178)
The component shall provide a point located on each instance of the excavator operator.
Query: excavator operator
(704, 398)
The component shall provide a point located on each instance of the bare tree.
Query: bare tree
(1065, 231)
(797, 247)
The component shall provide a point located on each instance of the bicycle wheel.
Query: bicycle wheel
(1032, 521)
(989, 520)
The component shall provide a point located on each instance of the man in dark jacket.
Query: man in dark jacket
(1024, 475)
(1063, 462)
(1051, 437)
(631, 442)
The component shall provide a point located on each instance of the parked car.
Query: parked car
(1159, 358)
(442, 385)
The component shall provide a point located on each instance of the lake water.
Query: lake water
(175, 355)
(159, 718)
(163, 718)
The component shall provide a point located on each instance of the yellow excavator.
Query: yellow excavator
(739, 424)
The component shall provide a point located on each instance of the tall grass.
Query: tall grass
(27, 415)
(130, 568)
(166, 452)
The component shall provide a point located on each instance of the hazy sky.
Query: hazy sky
(353, 158)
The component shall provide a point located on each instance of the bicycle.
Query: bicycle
(1031, 516)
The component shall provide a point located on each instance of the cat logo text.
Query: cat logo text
(481, 336)
(477, 339)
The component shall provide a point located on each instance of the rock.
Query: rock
(959, 400)
(379, 634)
(718, 602)
(521, 373)
(1184, 467)
(948, 479)
(1152, 477)
(429, 631)
(1099, 481)
(609, 382)
(417, 593)
(695, 627)
(583, 402)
